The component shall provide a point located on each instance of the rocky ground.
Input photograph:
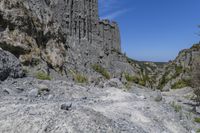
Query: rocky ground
(28, 105)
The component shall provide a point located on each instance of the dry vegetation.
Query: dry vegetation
(196, 80)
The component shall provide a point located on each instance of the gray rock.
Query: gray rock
(19, 90)
(9, 66)
(6, 91)
(158, 96)
(198, 109)
(33, 93)
(43, 89)
(50, 97)
(71, 35)
(66, 106)
(114, 83)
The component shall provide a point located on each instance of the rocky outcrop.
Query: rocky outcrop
(110, 34)
(177, 73)
(9, 66)
(60, 35)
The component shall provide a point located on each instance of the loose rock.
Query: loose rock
(33, 93)
(66, 106)
(158, 97)
(9, 66)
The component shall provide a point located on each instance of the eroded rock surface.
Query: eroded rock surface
(9, 66)
(61, 35)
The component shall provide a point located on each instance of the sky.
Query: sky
(154, 30)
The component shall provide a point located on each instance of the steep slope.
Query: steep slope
(61, 36)
(177, 73)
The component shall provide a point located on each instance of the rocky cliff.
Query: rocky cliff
(174, 74)
(58, 36)
(177, 73)
(67, 38)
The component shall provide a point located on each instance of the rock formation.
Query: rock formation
(177, 73)
(64, 36)
(9, 66)
(60, 35)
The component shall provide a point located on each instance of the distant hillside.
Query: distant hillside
(167, 75)
(177, 73)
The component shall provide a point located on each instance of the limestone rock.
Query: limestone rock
(66, 106)
(33, 93)
(61, 35)
(158, 96)
(9, 66)
(42, 89)
(179, 69)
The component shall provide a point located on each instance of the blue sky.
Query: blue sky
(154, 30)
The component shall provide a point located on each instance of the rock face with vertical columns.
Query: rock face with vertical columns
(61, 35)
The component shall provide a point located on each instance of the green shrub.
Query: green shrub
(130, 78)
(164, 80)
(142, 82)
(197, 119)
(79, 78)
(42, 76)
(133, 79)
(198, 130)
(128, 85)
(181, 84)
(146, 78)
(176, 107)
(179, 70)
(101, 70)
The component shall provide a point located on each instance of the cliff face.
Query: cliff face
(66, 37)
(177, 73)
(60, 35)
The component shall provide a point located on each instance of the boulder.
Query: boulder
(66, 106)
(33, 93)
(43, 89)
(9, 66)
(158, 96)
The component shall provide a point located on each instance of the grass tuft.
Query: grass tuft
(177, 108)
(197, 119)
(130, 78)
(42, 76)
(181, 84)
(101, 70)
(79, 78)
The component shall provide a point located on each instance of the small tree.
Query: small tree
(196, 81)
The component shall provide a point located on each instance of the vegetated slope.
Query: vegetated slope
(177, 73)
(174, 74)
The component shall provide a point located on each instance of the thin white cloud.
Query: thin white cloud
(115, 14)
(111, 9)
